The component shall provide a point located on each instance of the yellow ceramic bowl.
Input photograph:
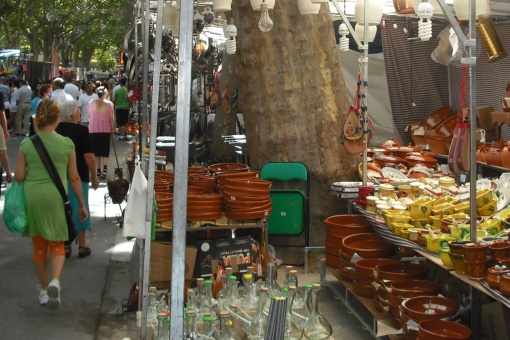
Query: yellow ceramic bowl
(419, 210)
(443, 209)
(492, 226)
(504, 214)
(446, 199)
(399, 227)
(462, 207)
(436, 222)
(405, 234)
(490, 209)
(484, 197)
(459, 230)
(421, 222)
(479, 234)
(445, 256)
(434, 244)
(391, 219)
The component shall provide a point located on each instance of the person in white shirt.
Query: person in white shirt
(84, 100)
(70, 88)
(58, 94)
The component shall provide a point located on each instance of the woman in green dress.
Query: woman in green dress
(45, 209)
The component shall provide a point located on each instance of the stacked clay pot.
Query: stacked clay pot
(204, 207)
(164, 201)
(338, 227)
(201, 183)
(364, 275)
(163, 181)
(246, 198)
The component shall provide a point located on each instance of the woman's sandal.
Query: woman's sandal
(84, 252)
(67, 251)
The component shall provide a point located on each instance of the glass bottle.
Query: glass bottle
(226, 326)
(250, 297)
(208, 301)
(233, 295)
(301, 314)
(293, 281)
(190, 326)
(152, 313)
(223, 293)
(257, 328)
(293, 330)
(287, 274)
(241, 322)
(162, 305)
(316, 327)
(190, 302)
(163, 326)
(207, 332)
(271, 284)
(198, 296)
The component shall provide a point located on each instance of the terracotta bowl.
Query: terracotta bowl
(331, 260)
(412, 288)
(436, 117)
(197, 170)
(365, 267)
(163, 217)
(344, 255)
(347, 272)
(197, 209)
(228, 197)
(365, 291)
(244, 174)
(441, 329)
(239, 214)
(227, 167)
(253, 207)
(367, 245)
(246, 204)
(251, 183)
(163, 174)
(500, 249)
(240, 191)
(400, 271)
(345, 225)
(333, 244)
(204, 198)
(199, 190)
(362, 281)
(429, 307)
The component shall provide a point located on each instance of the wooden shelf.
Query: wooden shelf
(434, 259)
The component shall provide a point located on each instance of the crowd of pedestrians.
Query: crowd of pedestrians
(76, 122)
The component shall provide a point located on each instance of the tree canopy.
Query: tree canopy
(79, 30)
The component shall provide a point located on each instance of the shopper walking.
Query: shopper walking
(44, 93)
(101, 126)
(121, 103)
(14, 86)
(84, 101)
(45, 209)
(4, 138)
(58, 94)
(24, 104)
(85, 162)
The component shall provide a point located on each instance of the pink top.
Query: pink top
(100, 121)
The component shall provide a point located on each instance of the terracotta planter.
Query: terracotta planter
(475, 251)
(367, 245)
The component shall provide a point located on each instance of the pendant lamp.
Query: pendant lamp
(307, 7)
(375, 11)
(360, 31)
(255, 4)
(462, 9)
(222, 5)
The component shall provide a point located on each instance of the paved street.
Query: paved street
(86, 282)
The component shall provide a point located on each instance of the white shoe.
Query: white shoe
(43, 296)
(53, 302)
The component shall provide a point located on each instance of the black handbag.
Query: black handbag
(45, 157)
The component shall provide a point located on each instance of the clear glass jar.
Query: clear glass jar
(317, 327)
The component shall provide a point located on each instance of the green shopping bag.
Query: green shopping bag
(15, 212)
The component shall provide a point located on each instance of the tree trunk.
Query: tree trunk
(293, 99)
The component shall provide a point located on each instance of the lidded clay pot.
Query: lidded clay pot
(494, 275)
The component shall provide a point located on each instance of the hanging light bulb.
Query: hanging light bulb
(425, 11)
(344, 41)
(230, 34)
(265, 22)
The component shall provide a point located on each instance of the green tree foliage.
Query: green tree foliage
(77, 29)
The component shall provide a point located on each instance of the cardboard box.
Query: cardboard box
(237, 253)
(161, 261)
(495, 321)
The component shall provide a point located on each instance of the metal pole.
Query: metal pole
(147, 242)
(181, 170)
